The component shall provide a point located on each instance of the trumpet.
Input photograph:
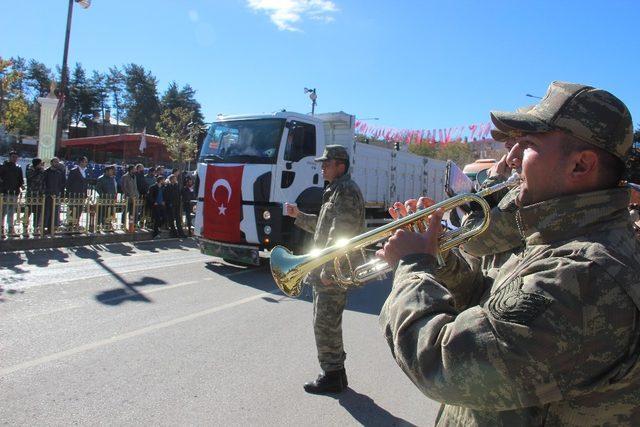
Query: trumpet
(289, 270)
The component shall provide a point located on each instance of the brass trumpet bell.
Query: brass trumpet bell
(286, 270)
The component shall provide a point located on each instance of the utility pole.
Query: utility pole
(313, 96)
(63, 80)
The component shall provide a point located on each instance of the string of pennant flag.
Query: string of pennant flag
(420, 136)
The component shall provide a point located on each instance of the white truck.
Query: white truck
(249, 166)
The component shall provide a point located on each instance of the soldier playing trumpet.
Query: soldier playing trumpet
(551, 336)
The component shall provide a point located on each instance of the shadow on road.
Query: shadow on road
(87, 252)
(367, 299)
(4, 292)
(365, 410)
(163, 245)
(256, 277)
(12, 261)
(119, 295)
(119, 249)
(42, 257)
(16, 261)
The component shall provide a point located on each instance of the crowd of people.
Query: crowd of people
(75, 184)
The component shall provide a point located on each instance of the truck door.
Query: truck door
(296, 171)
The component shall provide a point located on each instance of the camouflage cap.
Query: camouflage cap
(592, 115)
(504, 136)
(337, 152)
(499, 135)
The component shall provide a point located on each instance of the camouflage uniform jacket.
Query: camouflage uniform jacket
(341, 216)
(485, 253)
(503, 234)
(553, 338)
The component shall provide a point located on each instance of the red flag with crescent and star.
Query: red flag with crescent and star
(223, 203)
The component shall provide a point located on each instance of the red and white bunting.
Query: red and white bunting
(468, 133)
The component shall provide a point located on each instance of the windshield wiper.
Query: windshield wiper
(211, 158)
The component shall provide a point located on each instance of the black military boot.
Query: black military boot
(328, 382)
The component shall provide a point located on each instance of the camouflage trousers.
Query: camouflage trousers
(328, 305)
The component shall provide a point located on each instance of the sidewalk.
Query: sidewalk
(11, 245)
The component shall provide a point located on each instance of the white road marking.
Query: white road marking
(34, 277)
(126, 295)
(129, 294)
(132, 334)
(21, 285)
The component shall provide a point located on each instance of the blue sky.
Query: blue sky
(413, 64)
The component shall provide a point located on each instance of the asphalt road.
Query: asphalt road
(155, 333)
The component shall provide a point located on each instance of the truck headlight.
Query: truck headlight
(266, 215)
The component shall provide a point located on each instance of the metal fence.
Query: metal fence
(38, 216)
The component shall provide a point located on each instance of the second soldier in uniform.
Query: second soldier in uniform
(341, 216)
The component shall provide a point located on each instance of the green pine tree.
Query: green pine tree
(141, 98)
(38, 79)
(184, 98)
(82, 98)
(98, 85)
(115, 87)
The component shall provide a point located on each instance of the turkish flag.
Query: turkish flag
(223, 203)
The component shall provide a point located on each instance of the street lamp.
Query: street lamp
(63, 81)
(313, 96)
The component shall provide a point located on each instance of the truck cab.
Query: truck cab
(248, 167)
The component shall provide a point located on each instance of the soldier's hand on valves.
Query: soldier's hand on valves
(291, 210)
(500, 169)
(404, 242)
(399, 210)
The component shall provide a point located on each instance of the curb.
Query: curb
(67, 241)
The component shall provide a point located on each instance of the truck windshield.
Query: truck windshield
(243, 141)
